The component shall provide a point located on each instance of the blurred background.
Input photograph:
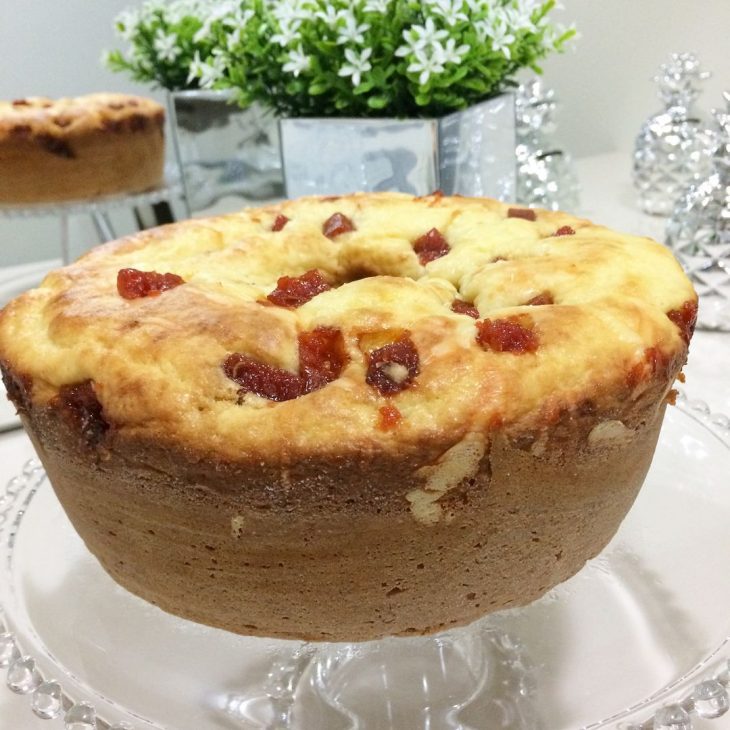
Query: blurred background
(604, 84)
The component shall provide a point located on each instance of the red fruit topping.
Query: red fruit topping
(540, 299)
(21, 130)
(337, 224)
(134, 284)
(279, 222)
(389, 418)
(82, 411)
(527, 213)
(264, 380)
(112, 125)
(434, 196)
(137, 122)
(685, 318)
(322, 356)
(431, 246)
(293, 291)
(653, 362)
(461, 307)
(506, 335)
(56, 146)
(564, 231)
(393, 367)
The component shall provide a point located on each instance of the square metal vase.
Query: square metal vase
(223, 150)
(471, 152)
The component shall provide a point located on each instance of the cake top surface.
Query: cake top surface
(360, 323)
(69, 116)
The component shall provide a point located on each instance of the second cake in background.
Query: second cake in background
(80, 148)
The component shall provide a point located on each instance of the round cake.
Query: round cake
(348, 417)
(74, 149)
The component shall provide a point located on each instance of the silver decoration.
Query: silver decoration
(699, 231)
(469, 152)
(545, 173)
(673, 147)
(222, 149)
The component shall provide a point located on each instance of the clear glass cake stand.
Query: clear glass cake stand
(638, 639)
(97, 208)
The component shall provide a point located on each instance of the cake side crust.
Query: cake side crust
(332, 550)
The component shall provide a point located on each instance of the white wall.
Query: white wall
(53, 47)
(605, 84)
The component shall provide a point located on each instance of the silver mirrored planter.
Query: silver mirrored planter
(223, 150)
(471, 152)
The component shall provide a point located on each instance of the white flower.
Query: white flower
(553, 32)
(377, 6)
(500, 36)
(482, 28)
(519, 17)
(450, 10)
(358, 64)
(450, 53)
(288, 32)
(176, 11)
(153, 6)
(127, 23)
(165, 45)
(286, 11)
(220, 12)
(352, 32)
(238, 19)
(425, 64)
(298, 61)
(207, 72)
(203, 32)
(419, 37)
(330, 16)
(234, 38)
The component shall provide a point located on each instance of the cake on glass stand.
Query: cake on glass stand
(631, 638)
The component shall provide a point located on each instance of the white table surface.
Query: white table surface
(607, 198)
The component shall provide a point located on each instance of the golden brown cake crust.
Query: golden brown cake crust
(77, 148)
(308, 518)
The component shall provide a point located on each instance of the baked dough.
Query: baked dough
(74, 149)
(388, 495)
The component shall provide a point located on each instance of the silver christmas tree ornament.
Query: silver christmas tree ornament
(673, 147)
(545, 176)
(699, 231)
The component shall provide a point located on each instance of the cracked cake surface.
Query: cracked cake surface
(372, 391)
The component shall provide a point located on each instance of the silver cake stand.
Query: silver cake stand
(97, 208)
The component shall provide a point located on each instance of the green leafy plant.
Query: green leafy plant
(343, 57)
(174, 44)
